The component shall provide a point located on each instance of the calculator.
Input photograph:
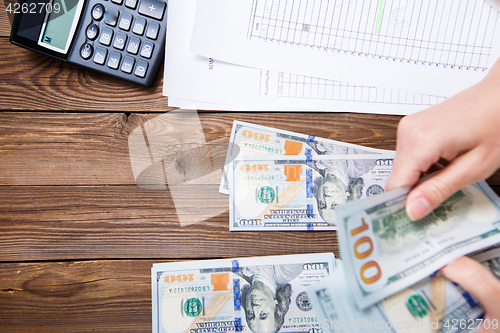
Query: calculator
(123, 38)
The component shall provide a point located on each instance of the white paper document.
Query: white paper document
(197, 82)
(435, 47)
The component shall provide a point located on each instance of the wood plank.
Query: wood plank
(84, 222)
(81, 296)
(54, 149)
(32, 81)
(81, 222)
(92, 148)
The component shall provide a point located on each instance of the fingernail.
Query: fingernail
(445, 270)
(418, 208)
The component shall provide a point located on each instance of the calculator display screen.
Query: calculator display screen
(60, 25)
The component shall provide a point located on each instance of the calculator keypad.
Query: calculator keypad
(121, 35)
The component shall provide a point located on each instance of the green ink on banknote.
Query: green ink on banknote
(266, 194)
(417, 306)
(192, 307)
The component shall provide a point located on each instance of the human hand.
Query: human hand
(464, 130)
(479, 282)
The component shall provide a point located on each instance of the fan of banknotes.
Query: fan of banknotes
(386, 281)
(281, 180)
(434, 304)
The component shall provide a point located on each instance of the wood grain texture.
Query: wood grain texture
(88, 296)
(73, 222)
(33, 81)
(92, 148)
(5, 17)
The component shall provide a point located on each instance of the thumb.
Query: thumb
(430, 193)
(477, 280)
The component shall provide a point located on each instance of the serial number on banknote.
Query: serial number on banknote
(188, 289)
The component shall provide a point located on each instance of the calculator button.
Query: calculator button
(120, 40)
(128, 64)
(97, 12)
(125, 21)
(111, 16)
(133, 45)
(106, 36)
(152, 8)
(152, 30)
(86, 51)
(147, 49)
(92, 31)
(100, 55)
(118, 2)
(131, 3)
(139, 26)
(114, 60)
(141, 68)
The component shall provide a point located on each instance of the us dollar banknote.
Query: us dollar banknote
(300, 193)
(254, 140)
(434, 304)
(255, 294)
(385, 252)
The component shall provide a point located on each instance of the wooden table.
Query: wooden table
(77, 235)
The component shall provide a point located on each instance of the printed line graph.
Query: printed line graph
(455, 34)
(298, 86)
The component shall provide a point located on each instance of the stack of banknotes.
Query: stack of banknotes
(388, 277)
(281, 180)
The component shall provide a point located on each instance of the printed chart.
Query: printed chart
(304, 87)
(452, 34)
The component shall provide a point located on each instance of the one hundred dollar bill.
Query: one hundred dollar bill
(384, 252)
(254, 140)
(300, 193)
(434, 304)
(255, 294)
